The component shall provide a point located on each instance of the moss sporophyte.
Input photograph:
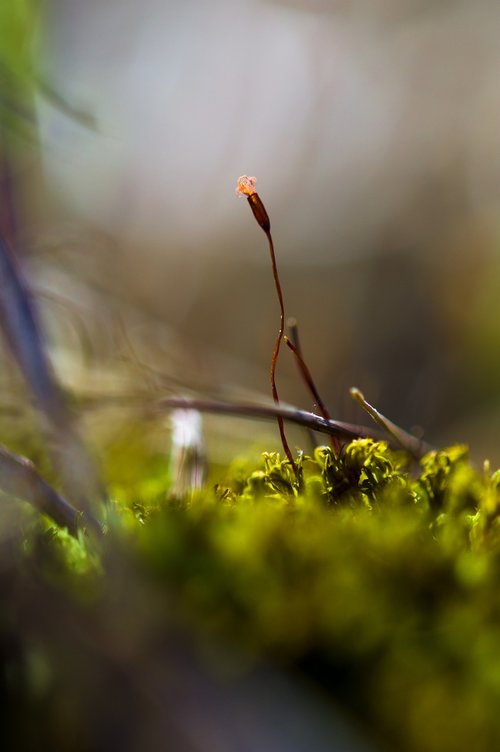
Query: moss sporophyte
(246, 187)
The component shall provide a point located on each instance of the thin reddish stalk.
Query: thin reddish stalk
(276, 351)
(246, 188)
(307, 376)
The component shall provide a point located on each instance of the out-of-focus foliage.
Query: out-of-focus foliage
(19, 27)
(21, 75)
(378, 585)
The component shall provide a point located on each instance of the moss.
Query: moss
(379, 585)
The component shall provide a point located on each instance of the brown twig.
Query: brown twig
(342, 431)
(406, 441)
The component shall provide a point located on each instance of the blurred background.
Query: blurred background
(374, 131)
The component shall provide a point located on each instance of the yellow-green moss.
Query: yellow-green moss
(379, 583)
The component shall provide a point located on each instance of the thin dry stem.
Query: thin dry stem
(343, 431)
(409, 443)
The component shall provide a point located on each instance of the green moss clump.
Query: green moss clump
(377, 585)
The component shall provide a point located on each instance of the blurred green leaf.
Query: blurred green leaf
(19, 33)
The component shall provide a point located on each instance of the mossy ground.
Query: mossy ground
(375, 583)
